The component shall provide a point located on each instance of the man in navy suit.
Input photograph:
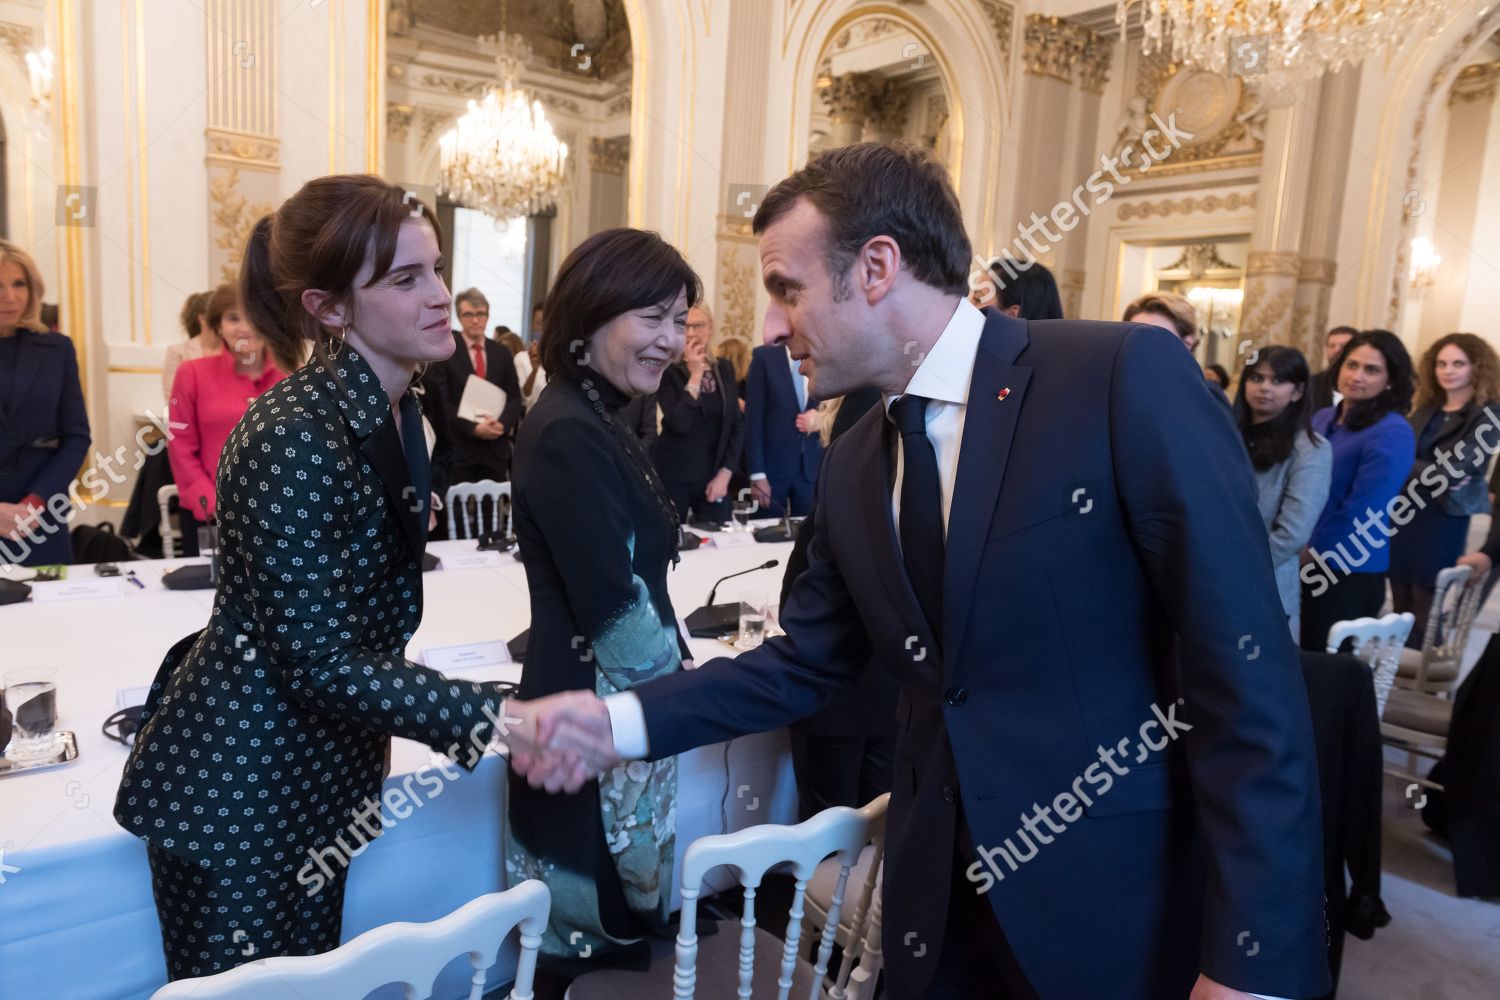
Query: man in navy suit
(782, 447)
(1105, 780)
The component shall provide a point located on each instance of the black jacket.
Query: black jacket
(1458, 485)
(689, 444)
(265, 732)
(499, 369)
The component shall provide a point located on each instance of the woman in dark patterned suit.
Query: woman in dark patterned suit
(264, 735)
(598, 532)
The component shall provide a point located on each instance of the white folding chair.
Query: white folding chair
(863, 958)
(1377, 641)
(1455, 604)
(461, 495)
(170, 536)
(720, 967)
(405, 953)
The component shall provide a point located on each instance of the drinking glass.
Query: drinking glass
(208, 545)
(742, 511)
(753, 605)
(31, 698)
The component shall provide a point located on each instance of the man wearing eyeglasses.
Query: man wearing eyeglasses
(481, 449)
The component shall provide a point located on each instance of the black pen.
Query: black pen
(130, 574)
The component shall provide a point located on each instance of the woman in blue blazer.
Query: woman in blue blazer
(1344, 569)
(44, 431)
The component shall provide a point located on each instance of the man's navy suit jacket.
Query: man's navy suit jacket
(773, 444)
(1106, 570)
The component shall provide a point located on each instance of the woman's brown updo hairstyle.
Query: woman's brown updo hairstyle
(319, 239)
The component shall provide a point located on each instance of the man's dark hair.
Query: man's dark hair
(1400, 381)
(875, 189)
(1351, 331)
(1033, 289)
(608, 274)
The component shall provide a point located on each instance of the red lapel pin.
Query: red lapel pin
(1003, 393)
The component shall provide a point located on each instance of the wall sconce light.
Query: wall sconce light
(1424, 263)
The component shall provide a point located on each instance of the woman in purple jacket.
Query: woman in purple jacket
(1344, 567)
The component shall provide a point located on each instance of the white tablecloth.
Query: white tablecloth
(76, 914)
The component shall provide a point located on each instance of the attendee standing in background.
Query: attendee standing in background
(1458, 386)
(702, 430)
(481, 449)
(44, 429)
(1325, 382)
(535, 379)
(209, 396)
(1030, 294)
(278, 715)
(201, 340)
(1292, 462)
(782, 449)
(1344, 570)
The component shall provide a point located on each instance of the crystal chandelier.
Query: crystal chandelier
(1289, 38)
(502, 157)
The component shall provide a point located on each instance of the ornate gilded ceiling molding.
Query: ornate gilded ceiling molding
(1475, 84)
(1226, 115)
(1187, 206)
(16, 37)
(609, 156)
(398, 119)
(1284, 263)
(1003, 16)
(1066, 51)
(242, 149)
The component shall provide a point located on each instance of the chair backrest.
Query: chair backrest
(863, 959)
(405, 953)
(1377, 641)
(840, 831)
(168, 529)
(458, 500)
(1455, 605)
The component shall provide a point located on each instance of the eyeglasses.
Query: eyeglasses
(473, 315)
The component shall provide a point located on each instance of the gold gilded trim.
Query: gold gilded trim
(375, 87)
(135, 370)
(75, 316)
(128, 164)
(142, 148)
(233, 148)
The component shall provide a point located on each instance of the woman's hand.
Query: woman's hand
(718, 487)
(696, 356)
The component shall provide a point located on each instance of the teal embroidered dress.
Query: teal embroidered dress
(597, 536)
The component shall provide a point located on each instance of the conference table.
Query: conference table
(77, 919)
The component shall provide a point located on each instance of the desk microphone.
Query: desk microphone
(768, 564)
(714, 620)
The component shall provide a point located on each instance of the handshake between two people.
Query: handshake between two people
(559, 742)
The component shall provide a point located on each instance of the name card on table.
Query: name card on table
(131, 697)
(456, 660)
(471, 560)
(734, 540)
(77, 590)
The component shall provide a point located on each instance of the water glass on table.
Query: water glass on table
(31, 699)
(753, 605)
(208, 545)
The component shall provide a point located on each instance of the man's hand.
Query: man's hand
(809, 422)
(11, 516)
(718, 487)
(1482, 563)
(1207, 989)
(489, 429)
(560, 741)
(760, 491)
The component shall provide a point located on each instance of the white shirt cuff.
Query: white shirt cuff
(627, 720)
(757, 476)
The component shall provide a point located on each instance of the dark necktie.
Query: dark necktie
(921, 528)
